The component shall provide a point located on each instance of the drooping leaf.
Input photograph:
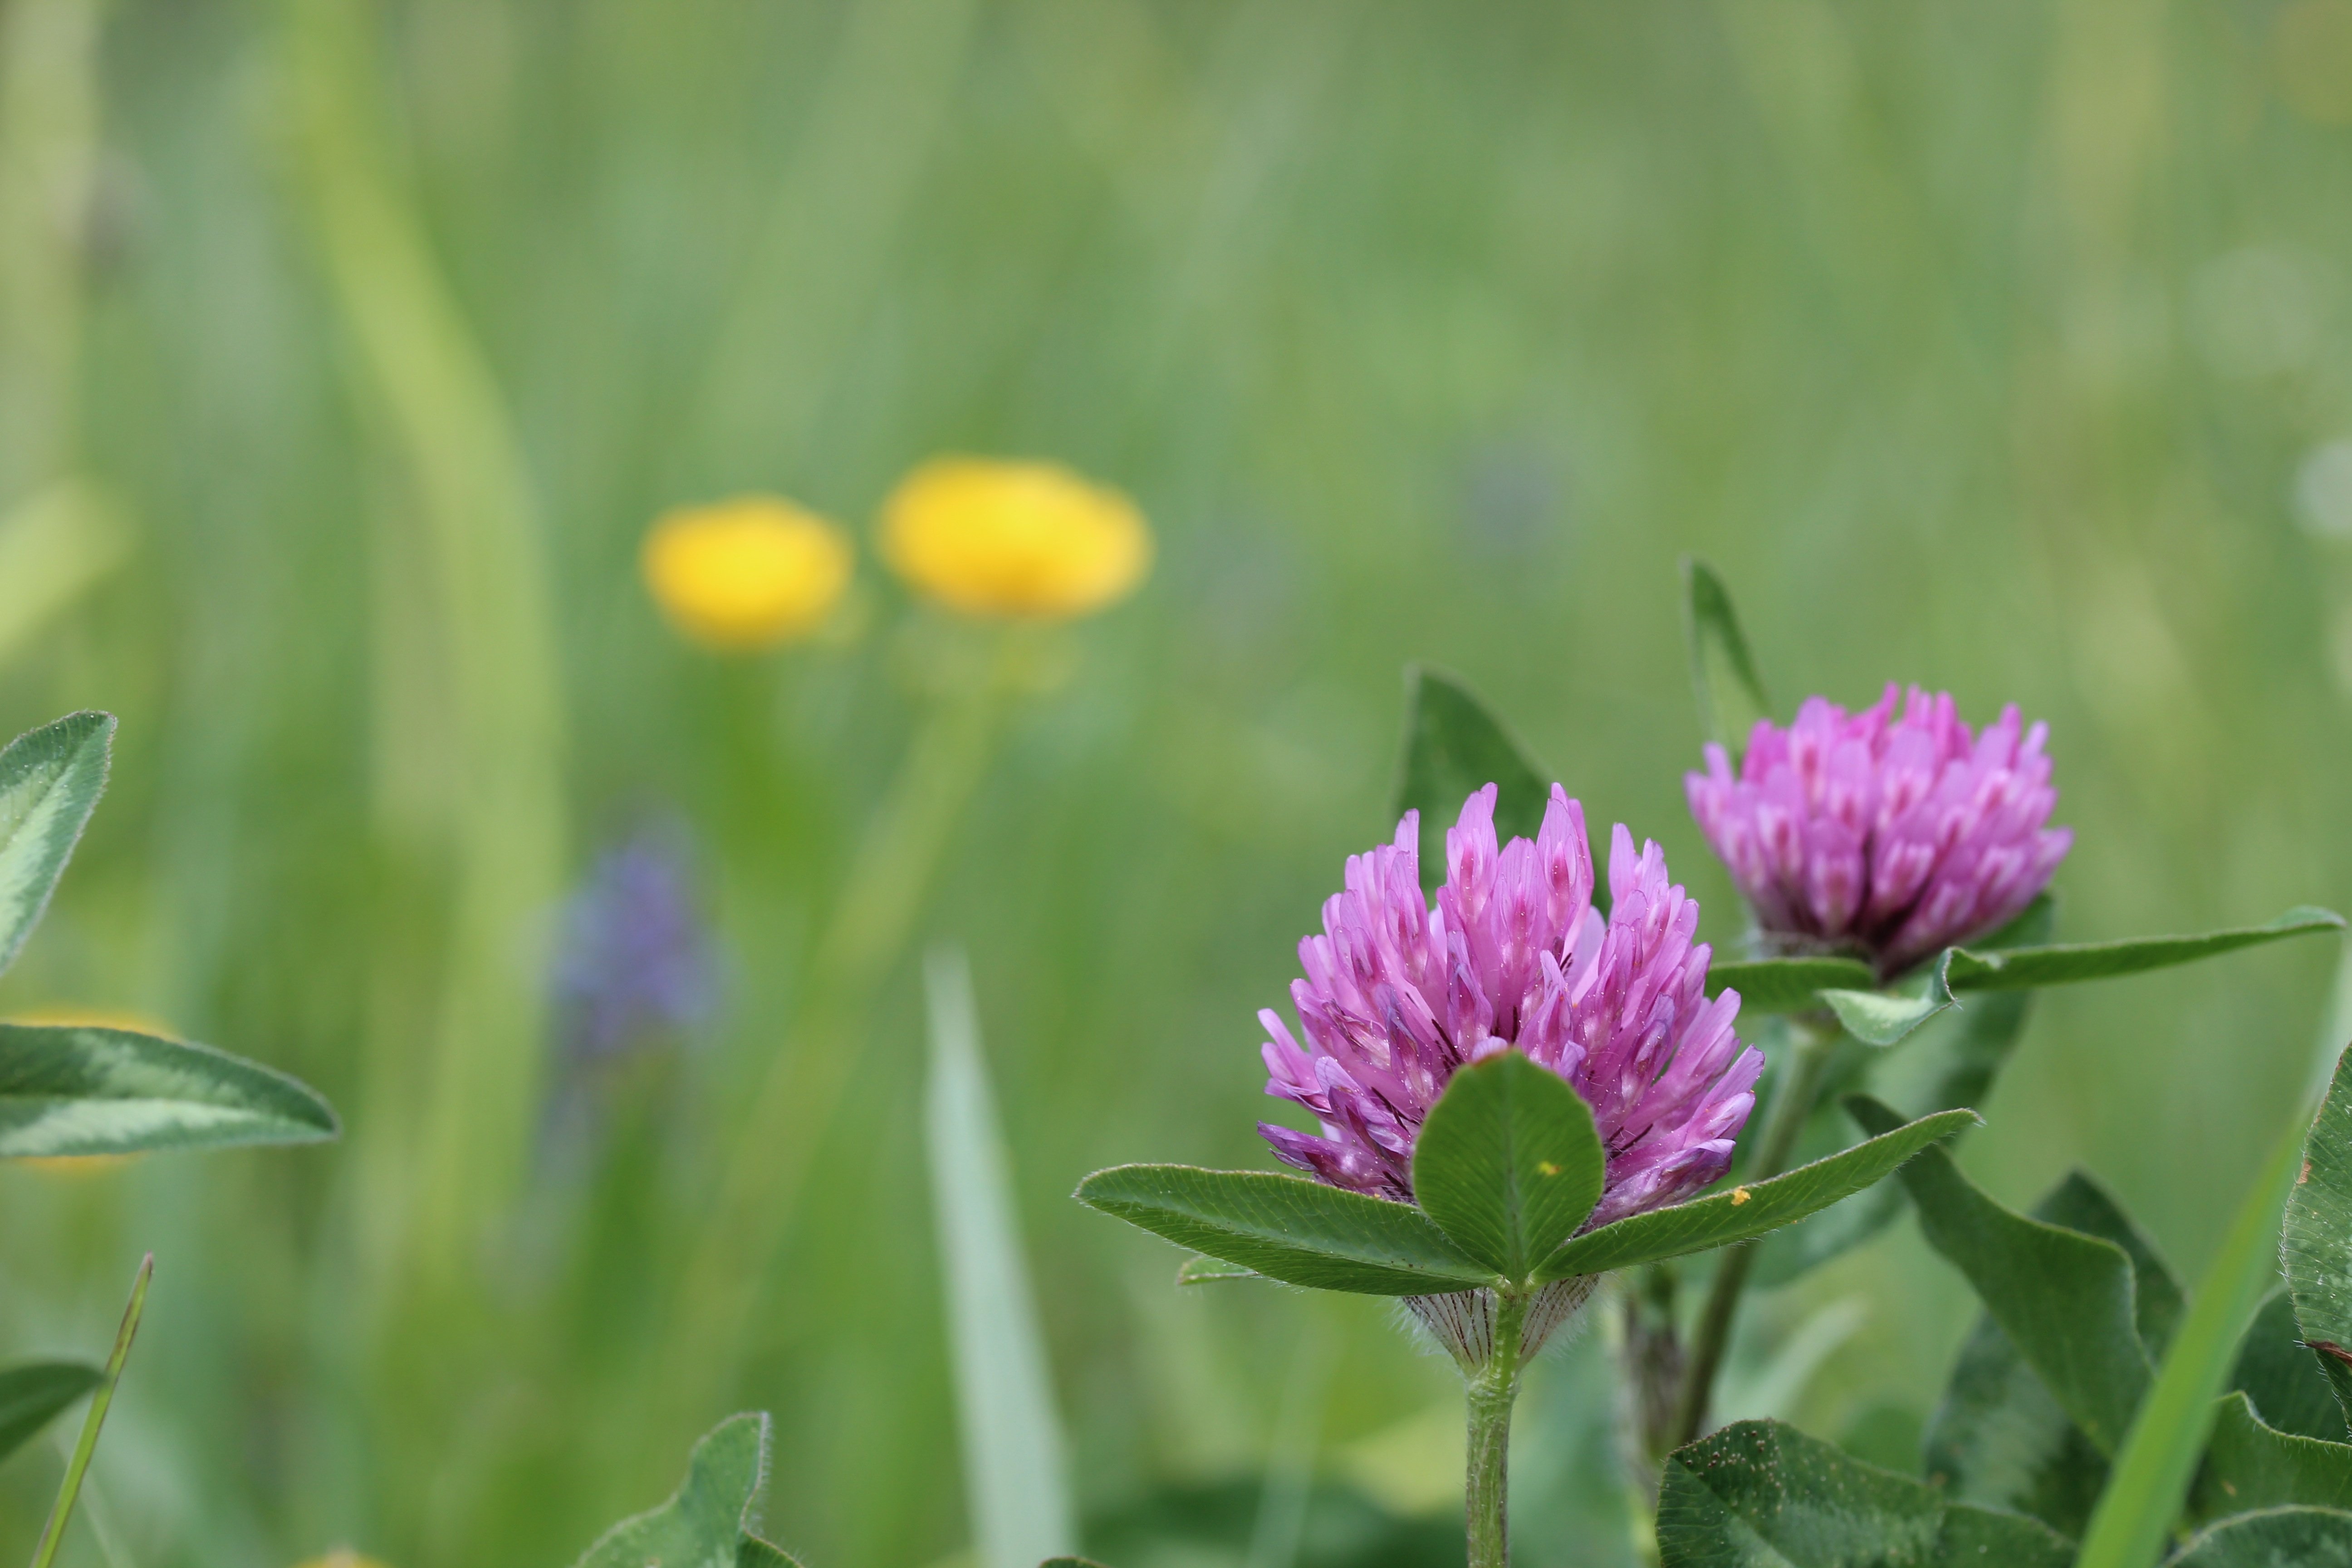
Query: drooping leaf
(2250, 1464)
(1016, 1477)
(2274, 1538)
(1509, 1162)
(34, 1392)
(1759, 1494)
(2064, 964)
(1884, 1018)
(2317, 1247)
(1211, 1271)
(1746, 1212)
(1723, 673)
(50, 779)
(79, 1088)
(1787, 985)
(2064, 1298)
(1288, 1228)
(2158, 1457)
(713, 1518)
(1999, 1436)
(1454, 746)
(2079, 1202)
(2283, 1376)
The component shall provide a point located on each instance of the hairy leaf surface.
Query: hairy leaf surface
(1759, 1494)
(79, 1088)
(1746, 1212)
(1509, 1162)
(50, 779)
(1288, 1228)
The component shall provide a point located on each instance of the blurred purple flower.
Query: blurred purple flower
(634, 961)
(1399, 995)
(1884, 837)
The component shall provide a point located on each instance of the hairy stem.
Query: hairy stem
(1494, 1388)
(1809, 1050)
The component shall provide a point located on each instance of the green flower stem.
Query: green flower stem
(888, 879)
(79, 1466)
(1809, 1050)
(1494, 1388)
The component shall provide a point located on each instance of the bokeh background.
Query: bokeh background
(348, 349)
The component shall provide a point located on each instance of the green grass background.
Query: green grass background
(1978, 345)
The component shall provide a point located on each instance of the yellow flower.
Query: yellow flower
(341, 1557)
(1014, 539)
(749, 573)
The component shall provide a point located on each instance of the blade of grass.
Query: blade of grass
(2159, 1453)
(79, 1466)
(1016, 1476)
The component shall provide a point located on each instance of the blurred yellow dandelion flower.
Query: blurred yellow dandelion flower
(1030, 540)
(344, 1557)
(750, 572)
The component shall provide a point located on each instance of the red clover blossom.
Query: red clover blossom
(1886, 836)
(1398, 995)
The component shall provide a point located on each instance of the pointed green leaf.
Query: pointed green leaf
(1748, 1212)
(1759, 1494)
(2158, 1457)
(713, 1519)
(2063, 963)
(1455, 747)
(1288, 1228)
(2250, 1464)
(33, 1394)
(2063, 1298)
(1883, 1017)
(1509, 1162)
(2283, 1376)
(49, 782)
(77, 1088)
(1211, 1271)
(2274, 1538)
(2319, 1236)
(1787, 985)
(1730, 695)
(1999, 1436)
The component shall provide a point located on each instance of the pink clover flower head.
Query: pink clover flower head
(1889, 836)
(1399, 995)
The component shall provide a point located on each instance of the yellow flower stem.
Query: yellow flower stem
(888, 882)
(1810, 1047)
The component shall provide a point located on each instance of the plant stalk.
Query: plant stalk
(1494, 1388)
(803, 1082)
(1809, 1050)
